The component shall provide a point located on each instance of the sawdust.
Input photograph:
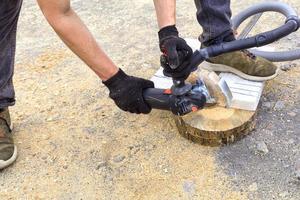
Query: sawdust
(50, 60)
(208, 183)
(69, 133)
(217, 113)
(51, 120)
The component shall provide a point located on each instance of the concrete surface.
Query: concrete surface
(75, 144)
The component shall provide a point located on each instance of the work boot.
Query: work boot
(242, 63)
(8, 151)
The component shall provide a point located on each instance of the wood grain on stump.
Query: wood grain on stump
(215, 125)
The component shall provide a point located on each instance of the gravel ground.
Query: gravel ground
(75, 144)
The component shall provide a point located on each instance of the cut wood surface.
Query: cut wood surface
(215, 125)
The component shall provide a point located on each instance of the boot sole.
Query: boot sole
(225, 68)
(4, 164)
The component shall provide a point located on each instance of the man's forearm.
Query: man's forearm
(166, 12)
(78, 38)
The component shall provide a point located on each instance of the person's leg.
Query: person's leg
(215, 18)
(9, 14)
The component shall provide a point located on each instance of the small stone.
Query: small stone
(136, 151)
(298, 175)
(119, 158)
(43, 87)
(90, 130)
(287, 66)
(284, 194)
(292, 114)
(44, 158)
(267, 105)
(149, 147)
(268, 132)
(166, 170)
(286, 166)
(262, 147)
(253, 187)
(101, 164)
(97, 108)
(53, 118)
(279, 105)
(131, 147)
(291, 141)
(189, 187)
(298, 169)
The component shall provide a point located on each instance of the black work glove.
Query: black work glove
(127, 92)
(176, 53)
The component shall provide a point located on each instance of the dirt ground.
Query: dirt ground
(74, 143)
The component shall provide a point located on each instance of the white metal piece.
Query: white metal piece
(161, 81)
(245, 94)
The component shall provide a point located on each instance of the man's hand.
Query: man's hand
(127, 92)
(176, 53)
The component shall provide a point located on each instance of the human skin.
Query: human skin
(165, 12)
(77, 37)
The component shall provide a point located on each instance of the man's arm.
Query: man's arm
(166, 12)
(126, 91)
(176, 52)
(77, 37)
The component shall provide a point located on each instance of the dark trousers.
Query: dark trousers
(9, 14)
(215, 18)
(213, 15)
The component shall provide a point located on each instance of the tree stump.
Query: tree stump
(215, 125)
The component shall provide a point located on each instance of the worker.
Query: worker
(126, 91)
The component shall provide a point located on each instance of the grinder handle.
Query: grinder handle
(157, 98)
